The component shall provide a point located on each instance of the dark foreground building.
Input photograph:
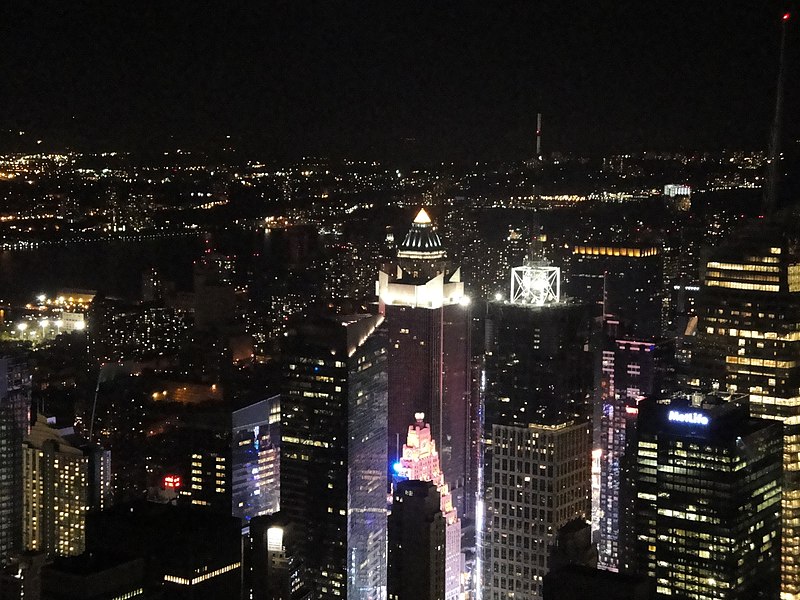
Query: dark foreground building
(577, 582)
(15, 406)
(190, 553)
(417, 530)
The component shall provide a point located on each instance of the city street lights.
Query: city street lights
(44, 323)
(58, 323)
(22, 327)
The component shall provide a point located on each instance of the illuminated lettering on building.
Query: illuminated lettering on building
(691, 418)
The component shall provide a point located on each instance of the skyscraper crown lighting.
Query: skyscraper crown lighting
(422, 241)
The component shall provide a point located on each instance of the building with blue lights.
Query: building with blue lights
(255, 459)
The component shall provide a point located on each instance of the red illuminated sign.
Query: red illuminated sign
(172, 482)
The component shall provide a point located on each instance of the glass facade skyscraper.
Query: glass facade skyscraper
(255, 459)
(706, 512)
(627, 370)
(623, 280)
(333, 453)
(15, 401)
(748, 341)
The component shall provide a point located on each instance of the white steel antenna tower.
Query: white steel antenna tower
(536, 284)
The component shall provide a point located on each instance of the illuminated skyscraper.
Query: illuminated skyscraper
(428, 318)
(56, 476)
(626, 370)
(748, 341)
(541, 481)
(15, 400)
(333, 453)
(706, 514)
(420, 461)
(538, 377)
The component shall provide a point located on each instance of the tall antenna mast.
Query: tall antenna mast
(539, 135)
(773, 159)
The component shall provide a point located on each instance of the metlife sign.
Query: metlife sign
(689, 418)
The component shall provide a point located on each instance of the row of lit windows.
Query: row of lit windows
(761, 362)
(755, 277)
(736, 285)
(612, 251)
(201, 578)
(127, 595)
(744, 267)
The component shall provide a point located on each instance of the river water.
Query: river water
(114, 267)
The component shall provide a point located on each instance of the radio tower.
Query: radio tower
(773, 159)
(539, 136)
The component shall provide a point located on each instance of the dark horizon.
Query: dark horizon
(442, 82)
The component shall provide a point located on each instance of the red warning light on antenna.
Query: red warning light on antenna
(787, 16)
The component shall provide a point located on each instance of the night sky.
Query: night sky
(434, 80)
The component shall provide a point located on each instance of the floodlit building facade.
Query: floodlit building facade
(420, 462)
(428, 320)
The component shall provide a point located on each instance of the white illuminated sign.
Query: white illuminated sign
(692, 418)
